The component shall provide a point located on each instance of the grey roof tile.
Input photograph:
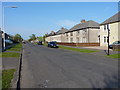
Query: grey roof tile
(112, 19)
(61, 31)
(87, 24)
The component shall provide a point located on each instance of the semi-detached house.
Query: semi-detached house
(58, 36)
(85, 32)
(113, 24)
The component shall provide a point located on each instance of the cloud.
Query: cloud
(66, 23)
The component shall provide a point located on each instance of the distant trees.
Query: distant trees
(40, 38)
(32, 37)
(17, 38)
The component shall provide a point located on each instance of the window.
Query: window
(71, 39)
(84, 32)
(71, 33)
(77, 39)
(83, 39)
(107, 26)
(104, 27)
(66, 39)
(105, 39)
(67, 34)
(78, 32)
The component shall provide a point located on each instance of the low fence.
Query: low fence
(80, 44)
(116, 47)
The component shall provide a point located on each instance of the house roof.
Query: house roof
(62, 30)
(86, 24)
(112, 19)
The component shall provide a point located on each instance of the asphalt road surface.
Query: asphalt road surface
(44, 67)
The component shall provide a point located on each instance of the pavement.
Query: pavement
(44, 67)
(10, 63)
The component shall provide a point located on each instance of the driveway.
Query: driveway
(44, 67)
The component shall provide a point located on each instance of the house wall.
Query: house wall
(47, 39)
(63, 37)
(93, 35)
(113, 33)
(89, 35)
(56, 38)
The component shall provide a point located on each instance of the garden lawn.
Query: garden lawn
(77, 49)
(7, 76)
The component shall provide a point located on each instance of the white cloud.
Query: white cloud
(66, 23)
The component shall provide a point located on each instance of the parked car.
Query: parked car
(8, 42)
(52, 44)
(114, 43)
(40, 43)
(23, 42)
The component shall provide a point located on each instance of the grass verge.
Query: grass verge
(45, 44)
(114, 56)
(7, 76)
(77, 49)
(9, 54)
(15, 48)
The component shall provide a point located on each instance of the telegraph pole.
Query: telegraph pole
(108, 38)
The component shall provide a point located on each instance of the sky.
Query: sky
(43, 17)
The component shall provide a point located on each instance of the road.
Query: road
(44, 67)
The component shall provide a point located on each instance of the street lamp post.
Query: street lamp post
(3, 19)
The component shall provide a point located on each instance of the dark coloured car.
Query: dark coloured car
(52, 44)
(114, 43)
(40, 43)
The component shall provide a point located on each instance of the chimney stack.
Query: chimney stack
(62, 27)
(83, 21)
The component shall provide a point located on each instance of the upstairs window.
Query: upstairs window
(105, 28)
(78, 32)
(71, 33)
(67, 34)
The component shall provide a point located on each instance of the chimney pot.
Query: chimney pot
(83, 21)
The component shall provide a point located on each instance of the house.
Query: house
(58, 36)
(1, 41)
(49, 37)
(61, 35)
(112, 23)
(84, 32)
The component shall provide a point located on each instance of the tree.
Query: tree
(17, 38)
(40, 38)
(32, 37)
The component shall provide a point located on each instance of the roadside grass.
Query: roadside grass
(77, 49)
(114, 55)
(7, 76)
(45, 44)
(15, 48)
(9, 54)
